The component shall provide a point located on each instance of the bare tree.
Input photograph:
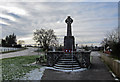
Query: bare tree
(54, 43)
(44, 37)
(112, 41)
(113, 36)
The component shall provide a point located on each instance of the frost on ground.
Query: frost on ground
(82, 69)
(34, 74)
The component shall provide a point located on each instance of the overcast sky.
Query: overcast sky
(91, 20)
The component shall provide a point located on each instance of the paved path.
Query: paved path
(29, 51)
(98, 71)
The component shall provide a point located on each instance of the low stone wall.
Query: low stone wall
(52, 57)
(83, 57)
(113, 64)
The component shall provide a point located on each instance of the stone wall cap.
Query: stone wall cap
(117, 61)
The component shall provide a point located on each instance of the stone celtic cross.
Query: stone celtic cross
(69, 22)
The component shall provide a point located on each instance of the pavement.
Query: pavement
(98, 71)
(26, 52)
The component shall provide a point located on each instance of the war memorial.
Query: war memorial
(69, 59)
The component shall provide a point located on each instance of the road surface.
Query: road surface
(27, 52)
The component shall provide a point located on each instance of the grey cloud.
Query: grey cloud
(52, 15)
(60, 1)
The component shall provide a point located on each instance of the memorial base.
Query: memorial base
(69, 43)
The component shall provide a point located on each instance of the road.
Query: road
(98, 71)
(27, 52)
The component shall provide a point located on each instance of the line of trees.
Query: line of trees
(10, 41)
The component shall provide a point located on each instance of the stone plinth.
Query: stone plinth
(69, 43)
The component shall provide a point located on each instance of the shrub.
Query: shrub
(115, 49)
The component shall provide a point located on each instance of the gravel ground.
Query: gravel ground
(29, 51)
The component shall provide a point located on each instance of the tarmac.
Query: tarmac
(98, 71)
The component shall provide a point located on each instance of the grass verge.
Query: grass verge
(13, 68)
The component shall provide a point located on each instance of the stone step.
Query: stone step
(58, 65)
(67, 60)
(62, 68)
(68, 63)
(68, 56)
